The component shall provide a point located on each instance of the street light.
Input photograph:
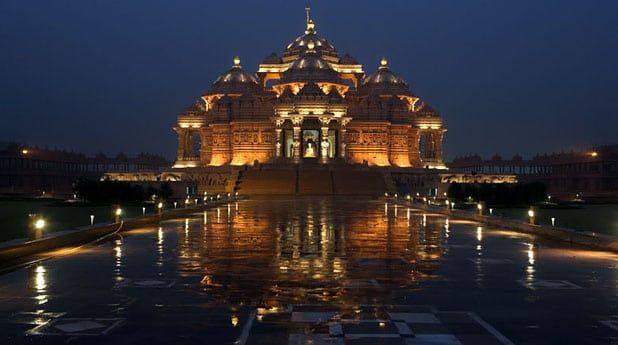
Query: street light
(91, 219)
(553, 221)
(160, 207)
(479, 206)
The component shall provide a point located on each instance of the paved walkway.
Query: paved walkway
(315, 271)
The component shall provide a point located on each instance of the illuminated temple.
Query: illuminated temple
(310, 103)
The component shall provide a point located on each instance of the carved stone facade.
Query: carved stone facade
(310, 103)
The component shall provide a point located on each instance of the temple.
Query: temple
(310, 103)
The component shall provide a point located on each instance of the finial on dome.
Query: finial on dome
(383, 63)
(236, 61)
(310, 23)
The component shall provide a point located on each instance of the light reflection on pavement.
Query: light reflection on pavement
(293, 271)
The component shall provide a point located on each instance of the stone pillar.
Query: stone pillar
(181, 143)
(296, 143)
(324, 144)
(342, 129)
(278, 143)
(439, 138)
(296, 122)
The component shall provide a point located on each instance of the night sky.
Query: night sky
(508, 76)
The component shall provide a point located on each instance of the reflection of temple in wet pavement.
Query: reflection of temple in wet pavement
(267, 250)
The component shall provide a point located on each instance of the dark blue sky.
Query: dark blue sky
(111, 75)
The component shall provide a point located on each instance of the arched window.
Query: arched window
(424, 146)
(196, 144)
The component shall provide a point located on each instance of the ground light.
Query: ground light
(531, 215)
(118, 214)
(37, 226)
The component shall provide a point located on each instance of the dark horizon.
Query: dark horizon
(521, 78)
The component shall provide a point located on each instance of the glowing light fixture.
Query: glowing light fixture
(39, 224)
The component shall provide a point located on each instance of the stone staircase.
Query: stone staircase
(311, 178)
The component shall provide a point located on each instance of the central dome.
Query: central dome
(299, 45)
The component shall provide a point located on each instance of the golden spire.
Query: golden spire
(310, 24)
(237, 61)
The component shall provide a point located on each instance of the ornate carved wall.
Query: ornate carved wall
(368, 141)
(252, 141)
(399, 147)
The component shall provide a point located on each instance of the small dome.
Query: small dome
(272, 59)
(384, 81)
(310, 68)
(236, 80)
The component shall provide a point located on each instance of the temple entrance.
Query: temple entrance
(313, 143)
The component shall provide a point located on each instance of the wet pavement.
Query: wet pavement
(315, 271)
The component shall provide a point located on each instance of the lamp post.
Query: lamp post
(92, 219)
(491, 211)
(37, 225)
(531, 216)
(480, 207)
(160, 208)
(553, 221)
(117, 215)
(143, 211)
